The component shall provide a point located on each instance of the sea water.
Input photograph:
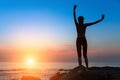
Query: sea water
(15, 71)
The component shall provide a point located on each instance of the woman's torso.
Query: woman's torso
(81, 29)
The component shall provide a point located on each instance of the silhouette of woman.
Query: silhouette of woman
(81, 39)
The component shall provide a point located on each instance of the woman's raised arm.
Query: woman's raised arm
(89, 24)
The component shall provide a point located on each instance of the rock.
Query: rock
(30, 78)
(80, 73)
(93, 73)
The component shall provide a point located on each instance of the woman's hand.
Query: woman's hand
(75, 7)
(102, 16)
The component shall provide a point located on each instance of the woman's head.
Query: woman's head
(80, 19)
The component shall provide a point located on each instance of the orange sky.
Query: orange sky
(48, 54)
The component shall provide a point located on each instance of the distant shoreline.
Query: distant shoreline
(61, 69)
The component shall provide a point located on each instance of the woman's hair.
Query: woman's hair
(80, 18)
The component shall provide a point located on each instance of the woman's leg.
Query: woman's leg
(78, 45)
(85, 52)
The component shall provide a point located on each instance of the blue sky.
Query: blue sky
(51, 22)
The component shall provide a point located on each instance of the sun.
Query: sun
(30, 62)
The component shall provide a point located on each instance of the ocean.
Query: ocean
(15, 71)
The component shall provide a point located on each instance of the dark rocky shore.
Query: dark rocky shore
(93, 73)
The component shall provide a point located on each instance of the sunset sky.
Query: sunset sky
(45, 30)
